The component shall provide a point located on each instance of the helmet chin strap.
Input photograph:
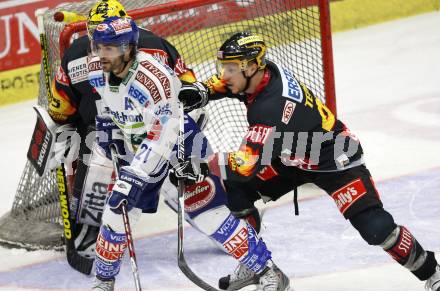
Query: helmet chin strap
(248, 80)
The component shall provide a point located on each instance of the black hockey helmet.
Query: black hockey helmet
(242, 48)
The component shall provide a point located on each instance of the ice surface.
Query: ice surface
(388, 88)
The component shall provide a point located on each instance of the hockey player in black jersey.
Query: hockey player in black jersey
(293, 139)
(75, 102)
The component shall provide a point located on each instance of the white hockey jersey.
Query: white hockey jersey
(145, 108)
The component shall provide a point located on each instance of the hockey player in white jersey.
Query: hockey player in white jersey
(139, 116)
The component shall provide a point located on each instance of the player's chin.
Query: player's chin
(106, 67)
(233, 89)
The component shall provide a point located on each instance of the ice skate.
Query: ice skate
(433, 283)
(273, 279)
(241, 277)
(103, 285)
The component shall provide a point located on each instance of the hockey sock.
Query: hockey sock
(110, 248)
(406, 250)
(240, 240)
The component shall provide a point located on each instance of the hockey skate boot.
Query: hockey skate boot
(103, 285)
(433, 283)
(241, 277)
(273, 279)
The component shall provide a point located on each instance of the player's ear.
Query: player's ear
(251, 68)
(130, 53)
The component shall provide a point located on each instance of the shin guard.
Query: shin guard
(110, 247)
(406, 250)
(241, 241)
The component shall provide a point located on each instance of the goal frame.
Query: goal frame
(298, 30)
(325, 25)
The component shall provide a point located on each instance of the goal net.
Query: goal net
(297, 33)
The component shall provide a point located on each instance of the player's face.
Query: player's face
(111, 57)
(232, 75)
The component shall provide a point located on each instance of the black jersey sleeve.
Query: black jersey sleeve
(259, 146)
(63, 107)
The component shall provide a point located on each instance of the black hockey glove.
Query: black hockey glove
(193, 95)
(192, 171)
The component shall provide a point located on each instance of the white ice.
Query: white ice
(388, 93)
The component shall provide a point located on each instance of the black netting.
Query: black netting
(291, 29)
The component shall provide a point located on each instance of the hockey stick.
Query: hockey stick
(134, 266)
(181, 212)
(75, 260)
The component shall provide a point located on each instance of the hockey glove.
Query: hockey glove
(193, 95)
(52, 144)
(216, 85)
(192, 171)
(108, 133)
(127, 190)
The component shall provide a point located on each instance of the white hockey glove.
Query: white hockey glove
(193, 95)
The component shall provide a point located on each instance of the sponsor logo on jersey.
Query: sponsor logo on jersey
(61, 77)
(349, 194)
(158, 54)
(199, 195)
(258, 133)
(237, 245)
(402, 249)
(163, 79)
(180, 68)
(289, 107)
(77, 70)
(97, 82)
(155, 132)
(94, 66)
(121, 25)
(163, 110)
(267, 173)
(114, 89)
(243, 161)
(291, 87)
(150, 85)
(138, 94)
(121, 117)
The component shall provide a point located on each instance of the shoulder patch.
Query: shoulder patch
(161, 76)
(158, 54)
(258, 133)
(150, 85)
(94, 66)
(77, 70)
(291, 88)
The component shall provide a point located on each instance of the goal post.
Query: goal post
(297, 33)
